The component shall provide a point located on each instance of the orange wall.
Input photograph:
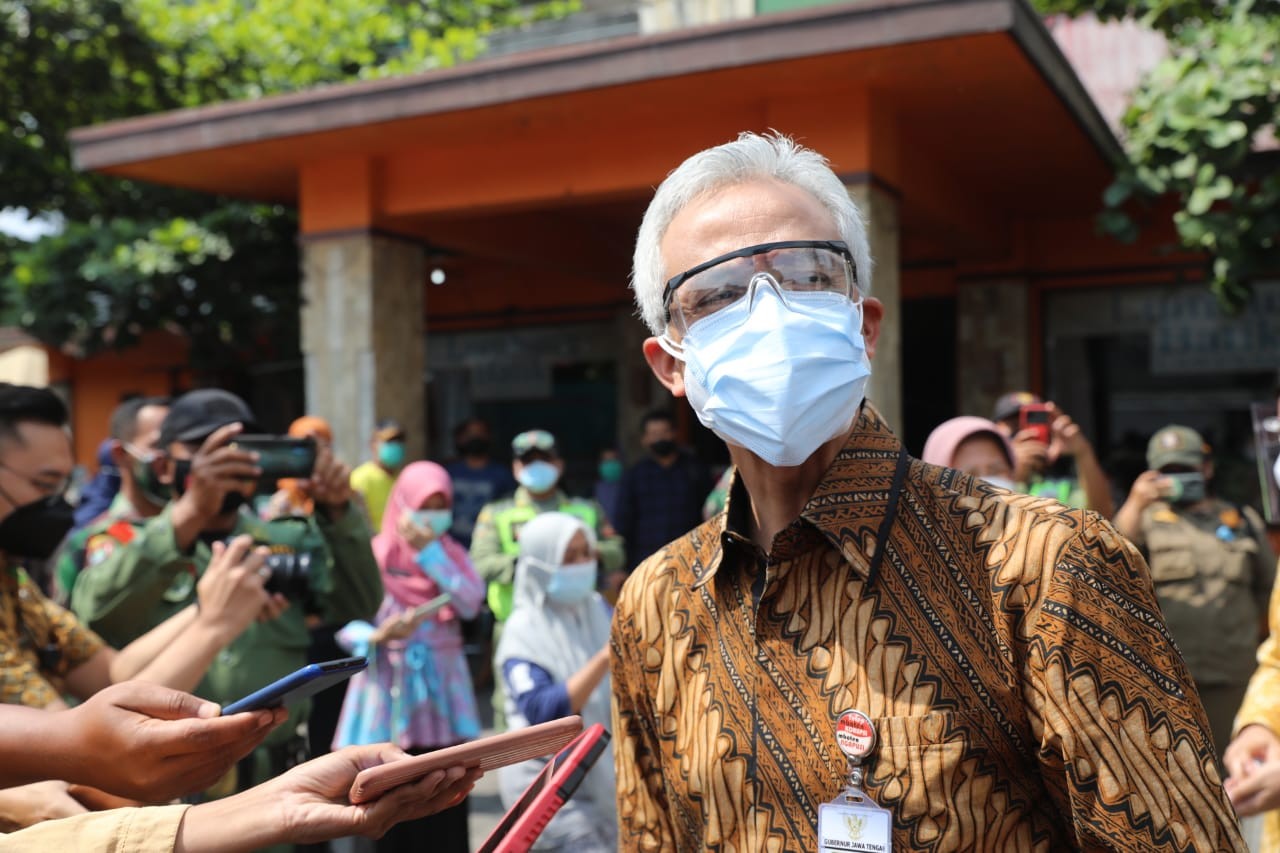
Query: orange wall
(156, 367)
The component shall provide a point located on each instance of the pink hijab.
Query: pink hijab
(402, 577)
(940, 448)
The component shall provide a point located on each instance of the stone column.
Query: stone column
(363, 337)
(992, 347)
(880, 211)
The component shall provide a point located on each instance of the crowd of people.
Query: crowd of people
(1037, 668)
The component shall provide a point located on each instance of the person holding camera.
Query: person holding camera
(321, 564)
(1212, 566)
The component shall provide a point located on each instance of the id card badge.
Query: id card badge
(852, 822)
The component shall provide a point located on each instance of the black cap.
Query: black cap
(196, 415)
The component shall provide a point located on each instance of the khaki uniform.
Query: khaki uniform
(1213, 570)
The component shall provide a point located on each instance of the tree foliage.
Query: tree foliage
(136, 257)
(1194, 130)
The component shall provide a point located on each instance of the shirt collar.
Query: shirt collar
(846, 509)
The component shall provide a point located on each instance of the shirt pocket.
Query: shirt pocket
(924, 770)
(1237, 560)
(1172, 556)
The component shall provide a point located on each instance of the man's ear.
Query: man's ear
(665, 366)
(872, 314)
(119, 456)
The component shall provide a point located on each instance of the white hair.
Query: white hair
(750, 157)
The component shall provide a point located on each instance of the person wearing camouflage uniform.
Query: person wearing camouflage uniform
(150, 573)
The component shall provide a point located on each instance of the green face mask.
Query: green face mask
(611, 470)
(149, 482)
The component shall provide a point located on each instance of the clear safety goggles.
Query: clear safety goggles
(792, 265)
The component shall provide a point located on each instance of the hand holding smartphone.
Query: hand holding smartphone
(487, 754)
(1035, 416)
(298, 685)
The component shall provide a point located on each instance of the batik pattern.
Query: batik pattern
(1009, 649)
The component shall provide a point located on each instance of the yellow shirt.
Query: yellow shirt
(1262, 703)
(1009, 650)
(374, 485)
(147, 830)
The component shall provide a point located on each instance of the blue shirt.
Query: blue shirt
(659, 504)
(538, 697)
(472, 489)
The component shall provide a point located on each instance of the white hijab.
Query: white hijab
(560, 638)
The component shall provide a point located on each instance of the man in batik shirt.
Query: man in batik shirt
(1008, 650)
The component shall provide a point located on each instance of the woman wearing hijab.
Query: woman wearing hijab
(554, 661)
(417, 690)
(975, 446)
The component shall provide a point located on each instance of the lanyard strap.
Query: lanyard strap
(890, 513)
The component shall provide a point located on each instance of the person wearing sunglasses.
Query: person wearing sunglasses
(997, 663)
(135, 431)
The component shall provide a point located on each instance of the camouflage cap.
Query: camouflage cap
(1176, 445)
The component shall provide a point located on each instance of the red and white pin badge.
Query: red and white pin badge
(855, 735)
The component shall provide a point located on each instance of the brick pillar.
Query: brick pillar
(992, 344)
(880, 211)
(363, 340)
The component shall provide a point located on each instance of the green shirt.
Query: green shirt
(139, 585)
(92, 543)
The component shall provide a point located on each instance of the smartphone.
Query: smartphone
(550, 789)
(280, 456)
(487, 753)
(1184, 487)
(1035, 416)
(299, 685)
(427, 608)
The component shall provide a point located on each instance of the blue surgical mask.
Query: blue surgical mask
(539, 476)
(391, 454)
(439, 520)
(778, 377)
(572, 584)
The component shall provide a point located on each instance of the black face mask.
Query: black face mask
(36, 529)
(231, 501)
(664, 448)
(475, 447)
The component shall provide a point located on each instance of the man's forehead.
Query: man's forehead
(149, 420)
(40, 448)
(741, 215)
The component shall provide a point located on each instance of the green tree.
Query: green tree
(1194, 128)
(135, 257)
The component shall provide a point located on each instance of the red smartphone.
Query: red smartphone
(1035, 416)
(549, 790)
(488, 754)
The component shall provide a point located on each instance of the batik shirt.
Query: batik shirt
(1008, 649)
(40, 642)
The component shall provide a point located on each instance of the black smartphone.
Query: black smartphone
(280, 456)
(298, 685)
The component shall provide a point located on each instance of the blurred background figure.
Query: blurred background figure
(1212, 566)
(661, 495)
(495, 547)
(477, 478)
(135, 430)
(417, 690)
(99, 492)
(373, 479)
(1053, 457)
(975, 446)
(554, 661)
(608, 490)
